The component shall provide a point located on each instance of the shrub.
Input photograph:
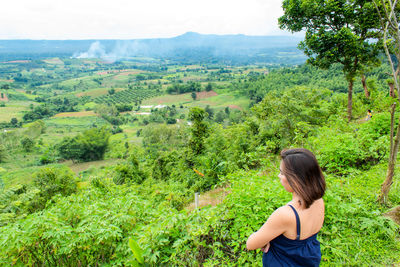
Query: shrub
(52, 181)
(89, 146)
(164, 164)
(128, 172)
(3, 153)
(171, 121)
(358, 148)
(27, 143)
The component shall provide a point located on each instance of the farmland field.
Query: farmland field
(97, 92)
(75, 114)
(13, 109)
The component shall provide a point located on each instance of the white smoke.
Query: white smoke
(122, 49)
(96, 50)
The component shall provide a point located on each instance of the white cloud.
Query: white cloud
(130, 19)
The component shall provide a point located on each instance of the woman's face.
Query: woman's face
(283, 179)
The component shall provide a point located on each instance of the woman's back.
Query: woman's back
(311, 219)
(296, 247)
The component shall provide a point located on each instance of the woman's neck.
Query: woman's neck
(296, 200)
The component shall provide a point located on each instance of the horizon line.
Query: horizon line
(123, 39)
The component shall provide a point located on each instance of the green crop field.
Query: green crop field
(97, 92)
(14, 109)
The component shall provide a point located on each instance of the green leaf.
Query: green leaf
(135, 263)
(137, 251)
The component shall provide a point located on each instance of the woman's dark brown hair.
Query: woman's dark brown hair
(303, 174)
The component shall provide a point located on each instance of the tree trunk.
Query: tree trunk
(394, 147)
(364, 84)
(391, 90)
(350, 100)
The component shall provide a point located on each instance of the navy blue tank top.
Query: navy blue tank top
(293, 252)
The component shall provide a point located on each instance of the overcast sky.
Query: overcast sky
(131, 19)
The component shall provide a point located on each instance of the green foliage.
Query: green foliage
(16, 203)
(128, 172)
(124, 107)
(88, 146)
(164, 165)
(3, 153)
(27, 144)
(353, 148)
(39, 112)
(106, 110)
(14, 121)
(292, 115)
(336, 31)
(193, 95)
(198, 129)
(210, 111)
(111, 91)
(217, 235)
(65, 232)
(35, 129)
(47, 158)
(209, 87)
(136, 250)
(51, 181)
(162, 137)
(131, 95)
(91, 228)
(147, 197)
(184, 88)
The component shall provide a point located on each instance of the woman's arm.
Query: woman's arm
(276, 225)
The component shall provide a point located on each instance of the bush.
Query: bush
(128, 172)
(3, 153)
(116, 130)
(46, 159)
(89, 146)
(164, 165)
(171, 121)
(27, 144)
(52, 181)
(357, 148)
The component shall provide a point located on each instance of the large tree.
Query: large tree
(336, 31)
(389, 15)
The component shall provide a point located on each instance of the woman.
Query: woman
(289, 237)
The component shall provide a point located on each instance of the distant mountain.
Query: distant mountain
(189, 48)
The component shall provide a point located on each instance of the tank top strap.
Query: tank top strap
(297, 222)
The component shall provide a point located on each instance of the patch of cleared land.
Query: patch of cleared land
(17, 61)
(55, 61)
(83, 166)
(75, 114)
(167, 99)
(212, 197)
(223, 100)
(204, 94)
(122, 72)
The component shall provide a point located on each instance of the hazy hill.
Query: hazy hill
(189, 47)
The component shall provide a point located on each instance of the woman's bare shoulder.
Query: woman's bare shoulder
(284, 213)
